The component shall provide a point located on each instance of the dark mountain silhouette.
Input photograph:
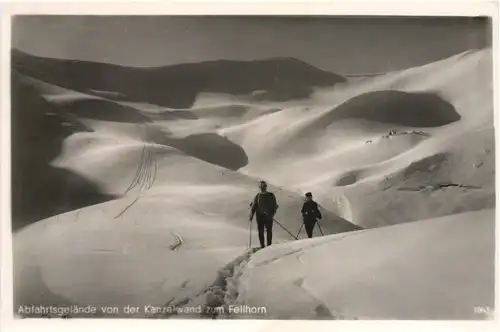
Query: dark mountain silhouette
(40, 190)
(177, 86)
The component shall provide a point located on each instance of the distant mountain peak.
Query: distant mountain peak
(176, 86)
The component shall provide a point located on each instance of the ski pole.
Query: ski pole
(300, 230)
(320, 229)
(250, 236)
(285, 229)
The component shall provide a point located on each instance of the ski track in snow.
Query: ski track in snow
(145, 177)
(224, 290)
(221, 293)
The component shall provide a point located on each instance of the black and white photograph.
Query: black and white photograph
(252, 167)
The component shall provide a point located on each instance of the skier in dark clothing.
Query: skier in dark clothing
(310, 214)
(264, 207)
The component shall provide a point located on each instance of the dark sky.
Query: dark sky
(342, 45)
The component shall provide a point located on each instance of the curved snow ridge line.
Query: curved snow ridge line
(321, 309)
(217, 306)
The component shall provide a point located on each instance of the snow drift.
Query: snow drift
(402, 165)
(433, 269)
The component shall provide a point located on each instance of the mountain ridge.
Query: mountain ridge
(177, 86)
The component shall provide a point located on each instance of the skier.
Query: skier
(310, 214)
(264, 207)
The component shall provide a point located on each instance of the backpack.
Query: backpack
(266, 203)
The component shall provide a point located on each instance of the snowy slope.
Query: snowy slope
(178, 183)
(431, 269)
(445, 111)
